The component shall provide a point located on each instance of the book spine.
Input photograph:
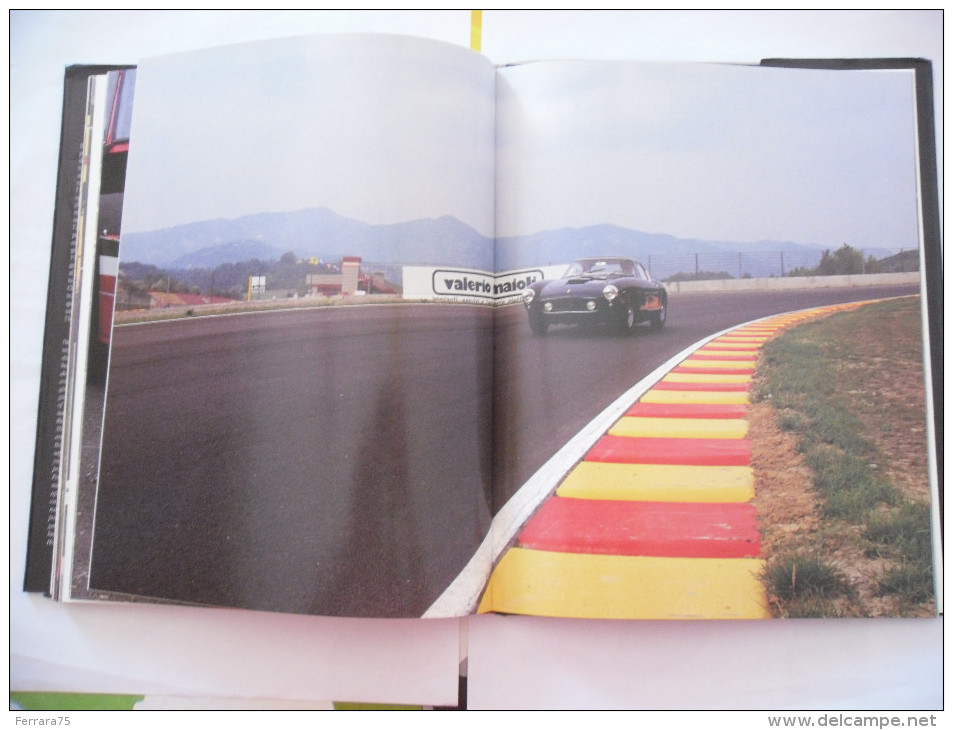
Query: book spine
(56, 362)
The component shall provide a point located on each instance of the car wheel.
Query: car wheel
(630, 318)
(658, 318)
(537, 324)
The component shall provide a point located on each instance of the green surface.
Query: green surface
(71, 701)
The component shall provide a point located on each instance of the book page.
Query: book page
(290, 425)
(684, 220)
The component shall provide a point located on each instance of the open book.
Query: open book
(366, 326)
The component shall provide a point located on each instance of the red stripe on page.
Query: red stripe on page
(712, 371)
(687, 410)
(677, 451)
(663, 529)
(722, 387)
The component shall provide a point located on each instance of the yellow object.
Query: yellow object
(691, 428)
(612, 586)
(697, 362)
(476, 29)
(707, 378)
(749, 348)
(658, 483)
(749, 355)
(695, 396)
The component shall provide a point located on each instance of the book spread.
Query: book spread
(366, 326)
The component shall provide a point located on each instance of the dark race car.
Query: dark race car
(613, 292)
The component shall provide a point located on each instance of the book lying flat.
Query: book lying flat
(367, 326)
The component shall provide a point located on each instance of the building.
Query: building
(347, 282)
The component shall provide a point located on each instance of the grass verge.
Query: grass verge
(848, 389)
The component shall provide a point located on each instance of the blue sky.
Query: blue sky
(379, 128)
(387, 129)
(709, 151)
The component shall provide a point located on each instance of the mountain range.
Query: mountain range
(317, 232)
(444, 241)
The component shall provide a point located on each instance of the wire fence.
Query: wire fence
(766, 264)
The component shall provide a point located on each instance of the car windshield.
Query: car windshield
(600, 268)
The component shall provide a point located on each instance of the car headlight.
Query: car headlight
(528, 296)
(610, 292)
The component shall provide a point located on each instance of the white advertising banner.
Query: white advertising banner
(469, 285)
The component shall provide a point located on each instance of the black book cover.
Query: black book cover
(50, 412)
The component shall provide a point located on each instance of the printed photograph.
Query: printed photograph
(390, 332)
(283, 429)
(731, 321)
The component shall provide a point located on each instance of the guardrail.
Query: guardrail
(791, 282)
(764, 264)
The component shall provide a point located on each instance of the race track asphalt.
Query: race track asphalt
(339, 461)
(548, 387)
(313, 461)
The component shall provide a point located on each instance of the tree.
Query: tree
(845, 260)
